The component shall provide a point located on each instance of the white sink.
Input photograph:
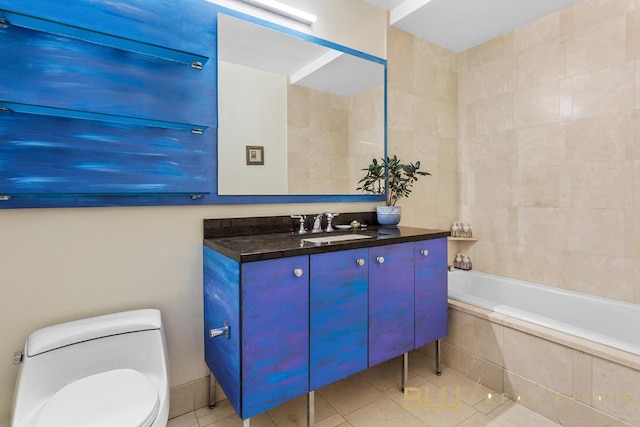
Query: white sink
(331, 239)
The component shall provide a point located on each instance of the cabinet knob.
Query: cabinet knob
(298, 272)
(424, 252)
(360, 262)
(380, 259)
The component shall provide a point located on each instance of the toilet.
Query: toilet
(103, 371)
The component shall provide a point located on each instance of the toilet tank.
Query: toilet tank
(60, 354)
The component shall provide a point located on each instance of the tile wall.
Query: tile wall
(558, 376)
(422, 125)
(549, 150)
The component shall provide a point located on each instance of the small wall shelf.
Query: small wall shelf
(195, 60)
(463, 239)
(41, 110)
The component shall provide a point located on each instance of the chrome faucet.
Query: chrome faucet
(317, 226)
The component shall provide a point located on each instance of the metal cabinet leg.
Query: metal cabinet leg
(246, 423)
(311, 409)
(212, 390)
(438, 367)
(405, 371)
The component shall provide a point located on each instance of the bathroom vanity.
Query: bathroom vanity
(284, 316)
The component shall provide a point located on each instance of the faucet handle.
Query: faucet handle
(301, 220)
(330, 217)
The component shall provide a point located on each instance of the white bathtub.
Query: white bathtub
(603, 320)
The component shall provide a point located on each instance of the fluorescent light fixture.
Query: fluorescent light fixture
(283, 10)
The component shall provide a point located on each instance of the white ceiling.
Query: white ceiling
(306, 64)
(458, 25)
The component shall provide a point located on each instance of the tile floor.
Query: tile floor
(373, 399)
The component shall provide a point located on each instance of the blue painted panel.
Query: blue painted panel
(222, 304)
(391, 302)
(66, 156)
(431, 291)
(275, 333)
(52, 71)
(178, 26)
(338, 316)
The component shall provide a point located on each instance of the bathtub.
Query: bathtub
(606, 321)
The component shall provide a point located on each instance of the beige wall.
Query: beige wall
(331, 138)
(422, 120)
(317, 148)
(549, 150)
(63, 264)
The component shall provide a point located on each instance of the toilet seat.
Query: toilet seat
(122, 397)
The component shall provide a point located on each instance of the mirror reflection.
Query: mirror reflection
(317, 112)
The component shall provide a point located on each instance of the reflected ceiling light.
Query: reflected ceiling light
(283, 10)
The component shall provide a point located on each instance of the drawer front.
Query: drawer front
(338, 315)
(391, 301)
(275, 332)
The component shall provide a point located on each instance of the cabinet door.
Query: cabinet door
(338, 316)
(275, 332)
(430, 290)
(391, 299)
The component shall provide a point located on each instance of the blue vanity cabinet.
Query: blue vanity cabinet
(338, 291)
(266, 305)
(430, 290)
(391, 301)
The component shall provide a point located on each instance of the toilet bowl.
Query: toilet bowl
(102, 371)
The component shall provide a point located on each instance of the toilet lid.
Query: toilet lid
(122, 397)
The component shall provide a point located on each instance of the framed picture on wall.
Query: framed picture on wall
(255, 155)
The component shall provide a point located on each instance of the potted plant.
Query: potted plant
(400, 178)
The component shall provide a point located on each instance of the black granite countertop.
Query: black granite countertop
(256, 247)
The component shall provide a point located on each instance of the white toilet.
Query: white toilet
(105, 371)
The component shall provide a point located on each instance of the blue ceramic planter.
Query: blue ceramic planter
(388, 216)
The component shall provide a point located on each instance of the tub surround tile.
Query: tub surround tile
(597, 231)
(604, 91)
(541, 146)
(538, 186)
(583, 345)
(541, 64)
(540, 360)
(538, 265)
(633, 35)
(597, 139)
(588, 13)
(565, 410)
(616, 390)
(597, 46)
(486, 373)
(636, 295)
(475, 335)
(543, 30)
(602, 185)
(593, 274)
(637, 84)
(538, 105)
(581, 376)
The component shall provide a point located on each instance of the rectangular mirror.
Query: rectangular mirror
(314, 111)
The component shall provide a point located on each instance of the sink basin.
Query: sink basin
(331, 239)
